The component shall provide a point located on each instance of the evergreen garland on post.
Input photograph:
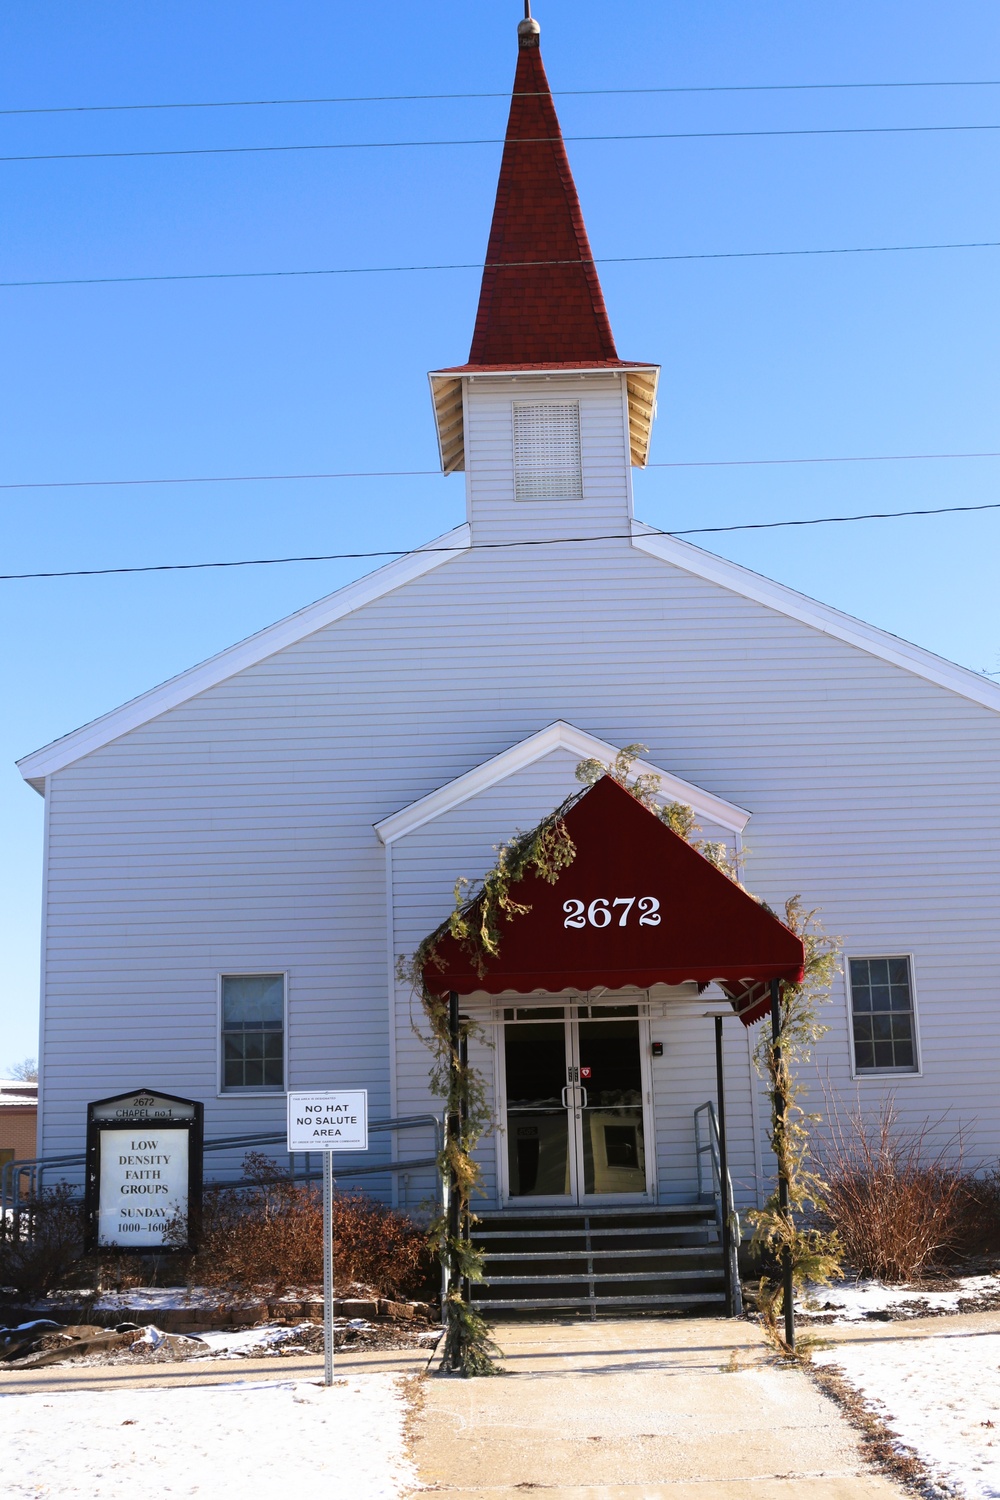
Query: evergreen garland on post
(801, 1254)
(476, 923)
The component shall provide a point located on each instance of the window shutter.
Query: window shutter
(547, 451)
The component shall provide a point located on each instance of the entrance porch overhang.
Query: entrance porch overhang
(637, 907)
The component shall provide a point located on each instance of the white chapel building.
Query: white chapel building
(235, 860)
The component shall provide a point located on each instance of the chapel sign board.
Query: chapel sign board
(144, 1172)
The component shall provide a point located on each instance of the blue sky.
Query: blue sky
(824, 356)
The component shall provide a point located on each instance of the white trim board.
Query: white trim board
(256, 648)
(558, 736)
(777, 596)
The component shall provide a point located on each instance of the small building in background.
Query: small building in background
(18, 1120)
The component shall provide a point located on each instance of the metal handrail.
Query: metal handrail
(13, 1200)
(713, 1147)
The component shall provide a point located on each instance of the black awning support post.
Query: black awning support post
(463, 1058)
(727, 1207)
(780, 1112)
(454, 1135)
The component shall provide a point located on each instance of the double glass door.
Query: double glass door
(575, 1104)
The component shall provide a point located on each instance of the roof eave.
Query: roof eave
(247, 653)
(527, 752)
(448, 397)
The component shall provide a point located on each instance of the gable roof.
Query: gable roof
(296, 627)
(822, 617)
(558, 736)
(256, 648)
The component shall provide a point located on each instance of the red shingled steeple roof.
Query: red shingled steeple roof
(541, 304)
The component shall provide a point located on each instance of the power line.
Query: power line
(717, 88)
(875, 515)
(69, 484)
(672, 135)
(605, 260)
(678, 463)
(260, 562)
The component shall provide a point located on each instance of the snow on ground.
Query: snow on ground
(269, 1335)
(152, 1298)
(251, 1340)
(940, 1395)
(232, 1442)
(853, 1302)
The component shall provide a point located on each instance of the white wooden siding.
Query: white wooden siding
(235, 831)
(494, 513)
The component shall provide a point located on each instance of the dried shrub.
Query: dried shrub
(116, 1271)
(382, 1249)
(49, 1245)
(900, 1205)
(266, 1235)
(980, 1230)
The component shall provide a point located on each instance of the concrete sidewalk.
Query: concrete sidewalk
(693, 1409)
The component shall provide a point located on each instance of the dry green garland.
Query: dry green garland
(475, 922)
(815, 1256)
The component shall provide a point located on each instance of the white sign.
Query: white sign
(144, 1185)
(328, 1122)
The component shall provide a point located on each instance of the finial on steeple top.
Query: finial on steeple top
(528, 30)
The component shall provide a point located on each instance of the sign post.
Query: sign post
(328, 1122)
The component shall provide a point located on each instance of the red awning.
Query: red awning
(638, 906)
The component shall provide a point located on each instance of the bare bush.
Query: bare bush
(982, 1225)
(899, 1205)
(267, 1236)
(49, 1244)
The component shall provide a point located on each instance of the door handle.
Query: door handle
(583, 1091)
(565, 1101)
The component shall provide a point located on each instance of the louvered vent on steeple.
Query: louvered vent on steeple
(547, 451)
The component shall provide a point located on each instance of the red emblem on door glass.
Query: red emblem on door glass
(586, 1072)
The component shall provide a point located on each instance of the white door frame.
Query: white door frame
(575, 1198)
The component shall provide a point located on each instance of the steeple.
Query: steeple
(541, 308)
(541, 301)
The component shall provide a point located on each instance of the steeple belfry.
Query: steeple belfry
(541, 307)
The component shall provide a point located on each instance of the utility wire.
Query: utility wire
(718, 88)
(672, 135)
(604, 260)
(260, 562)
(692, 463)
(679, 463)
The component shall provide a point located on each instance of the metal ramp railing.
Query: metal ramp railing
(707, 1142)
(21, 1182)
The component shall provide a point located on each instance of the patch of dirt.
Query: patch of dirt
(303, 1341)
(133, 1345)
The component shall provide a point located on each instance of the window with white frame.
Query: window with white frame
(882, 1018)
(253, 1031)
(547, 463)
